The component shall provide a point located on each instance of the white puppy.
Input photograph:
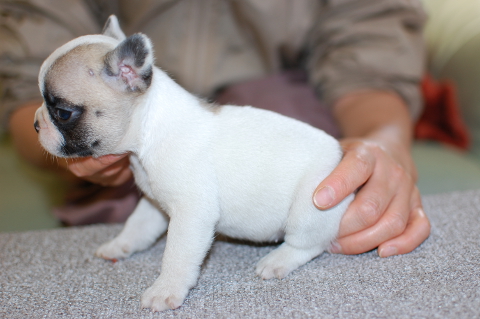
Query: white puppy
(241, 171)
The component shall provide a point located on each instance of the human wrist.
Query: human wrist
(379, 121)
(380, 116)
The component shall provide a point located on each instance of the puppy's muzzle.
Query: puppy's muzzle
(36, 126)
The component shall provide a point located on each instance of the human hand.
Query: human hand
(108, 170)
(387, 211)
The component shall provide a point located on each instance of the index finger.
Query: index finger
(110, 159)
(353, 171)
(84, 167)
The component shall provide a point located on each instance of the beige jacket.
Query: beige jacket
(345, 45)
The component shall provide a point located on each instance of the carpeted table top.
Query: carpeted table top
(54, 274)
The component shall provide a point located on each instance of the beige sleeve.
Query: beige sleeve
(368, 44)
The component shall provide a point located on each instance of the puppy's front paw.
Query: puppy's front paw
(159, 297)
(272, 267)
(114, 249)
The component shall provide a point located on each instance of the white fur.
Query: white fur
(241, 171)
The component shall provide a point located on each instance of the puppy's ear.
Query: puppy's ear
(112, 28)
(129, 67)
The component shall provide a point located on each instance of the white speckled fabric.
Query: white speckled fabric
(53, 274)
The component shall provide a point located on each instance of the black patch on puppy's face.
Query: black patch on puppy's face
(69, 120)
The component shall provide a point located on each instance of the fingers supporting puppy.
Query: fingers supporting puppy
(367, 209)
(373, 199)
(391, 224)
(109, 170)
(416, 232)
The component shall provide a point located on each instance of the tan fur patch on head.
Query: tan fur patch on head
(76, 75)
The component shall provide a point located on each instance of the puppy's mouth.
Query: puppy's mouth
(78, 145)
(76, 151)
(81, 147)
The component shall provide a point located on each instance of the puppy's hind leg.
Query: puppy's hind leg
(308, 233)
(141, 230)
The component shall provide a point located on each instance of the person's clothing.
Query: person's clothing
(237, 51)
(206, 45)
(88, 203)
(287, 93)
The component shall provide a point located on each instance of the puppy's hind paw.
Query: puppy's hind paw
(161, 299)
(114, 250)
(283, 260)
(266, 271)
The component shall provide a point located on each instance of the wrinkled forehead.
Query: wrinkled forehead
(73, 50)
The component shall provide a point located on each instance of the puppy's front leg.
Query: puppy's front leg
(141, 230)
(189, 238)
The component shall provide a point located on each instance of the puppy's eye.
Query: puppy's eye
(62, 114)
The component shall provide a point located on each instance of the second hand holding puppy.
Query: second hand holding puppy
(108, 170)
(387, 212)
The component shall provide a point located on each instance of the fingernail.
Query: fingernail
(387, 251)
(335, 248)
(324, 197)
(420, 212)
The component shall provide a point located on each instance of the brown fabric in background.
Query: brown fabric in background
(287, 93)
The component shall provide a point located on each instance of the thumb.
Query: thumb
(352, 172)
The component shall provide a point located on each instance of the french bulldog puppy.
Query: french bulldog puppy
(243, 172)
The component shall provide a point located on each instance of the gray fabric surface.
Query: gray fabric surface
(53, 274)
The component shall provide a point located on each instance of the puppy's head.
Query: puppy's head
(90, 87)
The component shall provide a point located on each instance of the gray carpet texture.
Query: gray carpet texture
(54, 274)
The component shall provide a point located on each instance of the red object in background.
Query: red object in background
(441, 119)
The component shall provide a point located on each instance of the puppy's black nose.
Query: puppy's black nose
(36, 126)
